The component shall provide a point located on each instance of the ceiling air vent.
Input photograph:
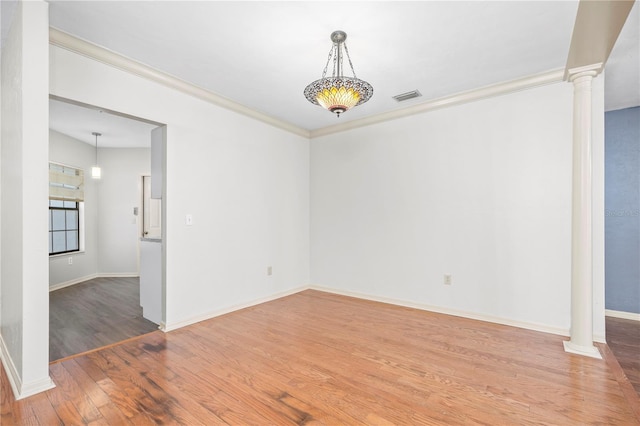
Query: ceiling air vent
(406, 96)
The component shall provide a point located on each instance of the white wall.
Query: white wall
(118, 193)
(481, 191)
(72, 152)
(111, 229)
(11, 156)
(25, 111)
(245, 183)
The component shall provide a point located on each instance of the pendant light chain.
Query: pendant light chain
(336, 59)
(349, 58)
(324, 72)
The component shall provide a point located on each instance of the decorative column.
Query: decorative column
(581, 217)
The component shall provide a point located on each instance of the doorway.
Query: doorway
(94, 297)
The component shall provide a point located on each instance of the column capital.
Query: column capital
(583, 71)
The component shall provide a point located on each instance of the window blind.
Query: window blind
(65, 183)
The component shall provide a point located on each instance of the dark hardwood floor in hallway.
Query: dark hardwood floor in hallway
(623, 337)
(319, 358)
(93, 314)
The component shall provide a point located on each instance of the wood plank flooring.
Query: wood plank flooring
(318, 358)
(623, 337)
(93, 314)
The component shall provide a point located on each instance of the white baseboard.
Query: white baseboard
(599, 338)
(10, 368)
(72, 282)
(118, 275)
(438, 309)
(91, 277)
(203, 317)
(166, 327)
(30, 389)
(21, 390)
(590, 351)
(447, 311)
(624, 315)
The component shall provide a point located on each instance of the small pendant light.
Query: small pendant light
(96, 172)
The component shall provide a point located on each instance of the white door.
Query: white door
(151, 211)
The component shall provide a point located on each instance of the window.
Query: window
(64, 226)
(66, 194)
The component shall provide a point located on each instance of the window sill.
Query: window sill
(71, 253)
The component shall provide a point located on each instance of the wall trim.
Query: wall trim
(219, 312)
(503, 88)
(118, 275)
(598, 337)
(621, 314)
(91, 277)
(21, 390)
(72, 282)
(10, 368)
(85, 48)
(441, 310)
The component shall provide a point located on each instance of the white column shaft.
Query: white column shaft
(581, 244)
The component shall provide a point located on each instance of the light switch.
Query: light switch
(188, 220)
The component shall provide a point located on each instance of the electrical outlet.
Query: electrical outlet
(447, 279)
(71, 261)
(269, 271)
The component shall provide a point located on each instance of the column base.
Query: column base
(590, 351)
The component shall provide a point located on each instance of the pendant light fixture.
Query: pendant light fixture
(338, 93)
(96, 172)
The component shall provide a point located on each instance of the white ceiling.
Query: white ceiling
(80, 122)
(263, 54)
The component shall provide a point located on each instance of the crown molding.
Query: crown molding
(549, 77)
(77, 45)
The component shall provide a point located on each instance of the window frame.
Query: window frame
(66, 229)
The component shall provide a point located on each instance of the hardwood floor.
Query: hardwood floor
(93, 314)
(623, 337)
(318, 358)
